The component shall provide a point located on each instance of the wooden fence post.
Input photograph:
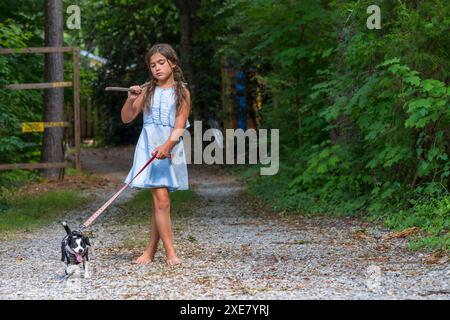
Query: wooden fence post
(76, 105)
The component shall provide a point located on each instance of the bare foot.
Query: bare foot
(145, 258)
(173, 261)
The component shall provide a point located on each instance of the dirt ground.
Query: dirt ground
(232, 247)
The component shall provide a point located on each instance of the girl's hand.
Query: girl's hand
(163, 152)
(134, 92)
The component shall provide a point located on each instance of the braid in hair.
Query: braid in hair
(180, 85)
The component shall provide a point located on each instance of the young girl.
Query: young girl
(165, 103)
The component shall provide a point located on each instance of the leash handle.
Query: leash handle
(106, 205)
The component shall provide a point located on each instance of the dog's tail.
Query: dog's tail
(66, 227)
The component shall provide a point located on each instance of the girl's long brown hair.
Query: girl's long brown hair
(180, 84)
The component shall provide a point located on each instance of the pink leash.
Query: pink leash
(106, 205)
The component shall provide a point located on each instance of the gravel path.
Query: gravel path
(232, 247)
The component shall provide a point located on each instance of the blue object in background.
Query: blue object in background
(240, 101)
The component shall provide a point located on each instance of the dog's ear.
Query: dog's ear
(86, 239)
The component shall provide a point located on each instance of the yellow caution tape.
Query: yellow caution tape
(39, 126)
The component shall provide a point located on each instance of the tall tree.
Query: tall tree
(189, 24)
(52, 150)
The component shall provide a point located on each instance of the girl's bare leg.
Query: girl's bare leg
(149, 252)
(163, 222)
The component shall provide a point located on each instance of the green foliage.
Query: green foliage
(364, 114)
(31, 211)
(431, 214)
(21, 25)
(18, 106)
(15, 178)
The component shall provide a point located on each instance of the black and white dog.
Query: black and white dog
(74, 251)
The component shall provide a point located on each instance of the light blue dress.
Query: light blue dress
(158, 125)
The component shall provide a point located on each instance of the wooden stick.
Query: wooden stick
(125, 89)
(117, 89)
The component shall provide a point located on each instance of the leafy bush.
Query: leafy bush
(364, 115)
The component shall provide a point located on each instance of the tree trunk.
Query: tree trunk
(189, 23)
(52, 150)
